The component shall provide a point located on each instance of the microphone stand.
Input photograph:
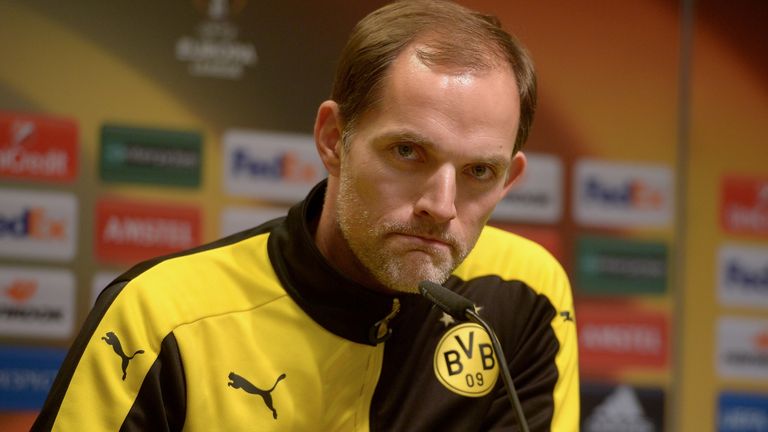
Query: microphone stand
(461, 309)
(506, 376)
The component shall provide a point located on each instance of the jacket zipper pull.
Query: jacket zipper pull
(380, 331)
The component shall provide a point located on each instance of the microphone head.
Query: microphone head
(448, 301)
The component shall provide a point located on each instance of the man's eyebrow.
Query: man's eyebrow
(405, 136)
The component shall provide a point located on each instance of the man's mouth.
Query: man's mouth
(425, 241)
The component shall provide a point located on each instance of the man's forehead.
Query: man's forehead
(422, 55)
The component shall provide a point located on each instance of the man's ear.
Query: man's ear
(516, 170)
(328, 136)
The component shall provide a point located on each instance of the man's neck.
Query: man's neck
(331, 243)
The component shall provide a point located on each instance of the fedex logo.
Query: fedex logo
(743, 275)
(37, 224)
(630, 194)
(37, 147)
(32, 222)
(747, 277)
(622, 195)
(274, 166)
(287, 166)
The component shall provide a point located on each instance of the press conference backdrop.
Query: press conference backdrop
(131, 129)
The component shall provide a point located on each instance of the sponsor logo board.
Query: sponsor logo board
(36, 302)
(550, 238)
(622, 195)
(38, 225)
(620, 266)
(216, 50)
(742, 412)
(537, 196)
(236, 219)
(128, 231)
(100, 281)
(155, 156)
(743, 276)
(744, 205)
(611, 408)
(742, 348)
(614, 337)
(273, 166)
(34, 147)
(26, 376)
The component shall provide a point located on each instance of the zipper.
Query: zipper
(380, 331)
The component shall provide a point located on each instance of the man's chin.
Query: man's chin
(402, 271)
(408, 282)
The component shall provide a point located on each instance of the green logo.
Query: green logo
(621, 266)
(151, 156)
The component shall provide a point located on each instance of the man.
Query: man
(312, 322)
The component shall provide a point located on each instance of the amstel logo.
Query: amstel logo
(464, 361)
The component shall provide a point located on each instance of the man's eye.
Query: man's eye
(406, 151)
(481, 172)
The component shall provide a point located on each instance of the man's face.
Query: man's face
(425, 169)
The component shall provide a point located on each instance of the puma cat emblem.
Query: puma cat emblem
(112, 339)
(238, 382)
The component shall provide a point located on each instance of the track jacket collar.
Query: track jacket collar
(339, 304)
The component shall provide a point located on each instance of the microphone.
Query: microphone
(462, 309)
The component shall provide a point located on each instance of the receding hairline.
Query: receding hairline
(452, 34)
(419, 48)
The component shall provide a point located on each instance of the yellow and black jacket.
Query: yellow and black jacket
(258, 332)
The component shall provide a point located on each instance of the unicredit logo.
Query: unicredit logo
(18, 160)
(632, 193)
(34, 223)
(286, 166)
(745, 205)
(37, 147)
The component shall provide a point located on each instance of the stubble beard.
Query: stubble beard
(396, 269)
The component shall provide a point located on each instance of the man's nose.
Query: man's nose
(437, 199)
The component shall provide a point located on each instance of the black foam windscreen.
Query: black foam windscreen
(451, 303)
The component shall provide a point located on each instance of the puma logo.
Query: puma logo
(238, 382)
(566, 315)
(112, 339)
